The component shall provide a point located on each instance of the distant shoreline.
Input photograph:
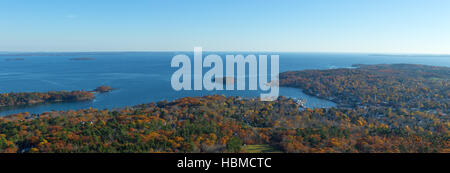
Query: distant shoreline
(82, 59)
(69, 53)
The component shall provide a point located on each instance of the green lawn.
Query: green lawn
(261, 149)
(435, 79)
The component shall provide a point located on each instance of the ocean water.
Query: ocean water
(143, 77)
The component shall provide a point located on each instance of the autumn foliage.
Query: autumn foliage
(225, 124)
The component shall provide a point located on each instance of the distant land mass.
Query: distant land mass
(82, 59)
(411, 55)
(15, 59)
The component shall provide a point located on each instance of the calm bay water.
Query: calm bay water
(143, 77)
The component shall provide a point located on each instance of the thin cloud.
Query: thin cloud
(71, 16)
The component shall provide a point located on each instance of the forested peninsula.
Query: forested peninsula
(33, 98)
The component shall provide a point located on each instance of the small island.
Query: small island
(103, 89)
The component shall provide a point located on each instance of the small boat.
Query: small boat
(300, 102)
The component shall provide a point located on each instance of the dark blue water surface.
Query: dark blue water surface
(143, 77)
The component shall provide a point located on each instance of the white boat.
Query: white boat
(300, 102)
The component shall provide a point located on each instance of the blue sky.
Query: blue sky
(370, 26)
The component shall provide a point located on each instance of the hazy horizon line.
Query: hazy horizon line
(220, 51)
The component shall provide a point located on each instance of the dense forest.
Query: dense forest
(415, 87)
(226, 124)
(381, 108)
